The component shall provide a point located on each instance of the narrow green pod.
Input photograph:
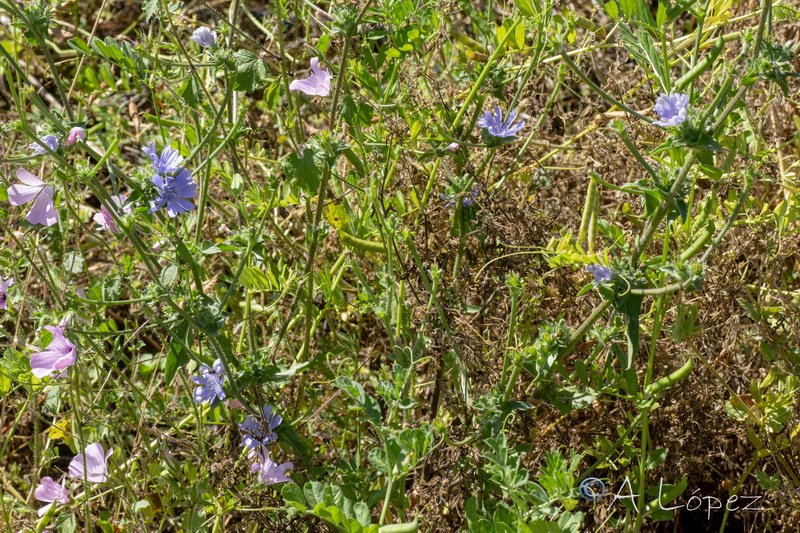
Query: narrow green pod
(669, 380)
(589, 218)
(408, 527)
(362, 244)
(700, 242)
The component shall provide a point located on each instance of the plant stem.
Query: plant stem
(305, 350)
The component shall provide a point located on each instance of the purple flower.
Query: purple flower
(174, 190)
(466, 201)
(104, 218)
(269, 473)
(204, 37)
(32, 188)
(50, 491)
(671, 108)
(96, 464)
(4, 285)
(452, 147)
(495, 126)
(60, 354)
(169, 161)
(262, 431)
(317, 84)
(74, 134)
(601, 273)
(50, 140)
(210, 381)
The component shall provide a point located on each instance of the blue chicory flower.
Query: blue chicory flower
(204, 37)
(169, 161)
(601, 273)
(671, 108)
(210, 381)
(494, 124)
(50, 140)
(174, 191)
(262, 431)
(466, 201)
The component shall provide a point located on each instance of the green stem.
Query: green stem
(485, 72)
(343, 65)
(312, 250)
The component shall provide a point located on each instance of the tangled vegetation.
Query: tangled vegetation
(400, 265)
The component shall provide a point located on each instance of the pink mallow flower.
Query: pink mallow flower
(96, 464)
(50, 491)
(4, 285)
(317, 84)
(105, 220)
(74, 134)
(269, 473)
(32, 188)
(60, 354)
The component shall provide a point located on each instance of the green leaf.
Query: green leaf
(272, 95)
(612, 9)
(630, 305)
(356, 114)
(293, 495)
(73, 262)
(251, 71)
(303, 171)
(169, 275)
(80, 46)
(176, 358)
(323, 43)
(628, 7)
(526, 7)
(655, 458)
(149, 9)
(112, 286)
(661, 15)
(192, 92)
(67, 523)
(140, 505)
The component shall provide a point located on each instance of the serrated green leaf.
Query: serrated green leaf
(192, 92)
(303, 171)
(73, 262)
(169, 275)
(251, 71)
(149, 9)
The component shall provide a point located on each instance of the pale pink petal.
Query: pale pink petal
(43, 211)
(50, 491)
(28, 178)
(44, 363)
(22, 194)
(100, 219)
(315, 67)
(96, 466)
